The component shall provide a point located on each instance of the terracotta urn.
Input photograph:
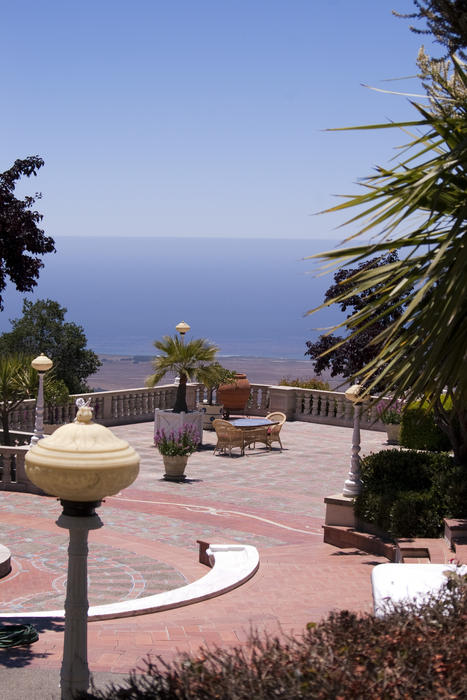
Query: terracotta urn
(234, 396)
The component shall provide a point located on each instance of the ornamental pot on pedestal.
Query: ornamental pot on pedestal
(234, 396)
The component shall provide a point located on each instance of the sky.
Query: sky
(200, 117)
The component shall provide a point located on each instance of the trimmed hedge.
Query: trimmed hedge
(419, 430)
(408, 493)
(410, 653)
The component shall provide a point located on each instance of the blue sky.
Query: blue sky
(199, 118)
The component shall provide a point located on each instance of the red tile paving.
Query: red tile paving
(272, 500)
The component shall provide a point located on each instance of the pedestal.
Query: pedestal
(78, 518)
(169, 422)
(340, 511)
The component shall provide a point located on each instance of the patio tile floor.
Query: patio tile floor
(273, 500)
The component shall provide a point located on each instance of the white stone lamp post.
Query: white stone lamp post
(42, 364)
(353, 484)
(81, 463)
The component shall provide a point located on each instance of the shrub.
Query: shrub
(305, 383)
(408, 493)
(416, 514)
(409, 653)
(419, 430)
(390, 412)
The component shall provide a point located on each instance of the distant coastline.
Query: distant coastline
(131, 371)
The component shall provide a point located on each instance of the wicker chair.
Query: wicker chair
(252, 436)
(228, 436)
(274, 430)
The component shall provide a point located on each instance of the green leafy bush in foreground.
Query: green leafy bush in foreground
(408, 493)
(409, 653)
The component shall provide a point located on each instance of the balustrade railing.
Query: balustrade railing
(138, 405)
(333, 408)
(12, 473)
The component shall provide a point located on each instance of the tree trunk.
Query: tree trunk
(180, 400)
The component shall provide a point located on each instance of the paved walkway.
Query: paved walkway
(271, 500)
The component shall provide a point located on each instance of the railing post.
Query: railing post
(283, 398)
(106, 406)
(191, 396)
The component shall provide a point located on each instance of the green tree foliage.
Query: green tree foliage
(418, 208)
(346, 356)
(42, 328)
(21, 239)
(446, 21)
(190, 361)
(18, 382)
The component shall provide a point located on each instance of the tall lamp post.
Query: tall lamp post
(81, 463)
(181, 328)
(42, 364)
(353, 484)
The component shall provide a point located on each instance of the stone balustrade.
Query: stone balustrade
(138, 405)
(12, 473)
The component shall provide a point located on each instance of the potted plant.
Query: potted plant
(189, 361)
(390, 413)
(217, 376)
(175, 448)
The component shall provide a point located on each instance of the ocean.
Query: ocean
(248, 296)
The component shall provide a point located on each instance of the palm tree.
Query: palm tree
(419, 208)
(191, 361)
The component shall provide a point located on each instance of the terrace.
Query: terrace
(272, 500)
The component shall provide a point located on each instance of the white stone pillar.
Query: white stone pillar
(39, 422)
(74, 674)
(353, 484)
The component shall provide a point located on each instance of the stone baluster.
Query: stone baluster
(340, 407)
(316, 407)
(6, 468)
(307, 403)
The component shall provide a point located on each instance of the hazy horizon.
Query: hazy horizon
(249, 298)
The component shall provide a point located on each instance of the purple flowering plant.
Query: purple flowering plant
(182, 442)
(390, 412)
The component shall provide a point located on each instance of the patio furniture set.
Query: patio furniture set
(246, 432)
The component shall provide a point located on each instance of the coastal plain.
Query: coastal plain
(131, 371)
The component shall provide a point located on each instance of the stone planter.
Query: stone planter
(169, 422)
(175, 467)
(210, 413)
(393, 431)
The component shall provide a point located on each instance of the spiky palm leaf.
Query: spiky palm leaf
(424, 352)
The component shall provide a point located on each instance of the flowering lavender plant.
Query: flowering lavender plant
(390, 411)
(182, 442)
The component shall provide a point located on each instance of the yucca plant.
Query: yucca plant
(18, 382)
(418, 208)
(191, 361)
